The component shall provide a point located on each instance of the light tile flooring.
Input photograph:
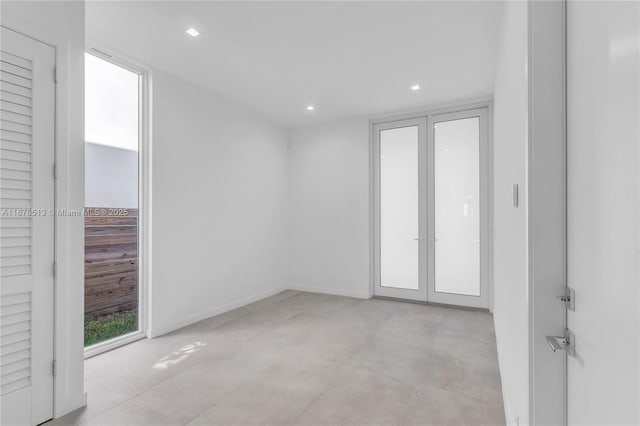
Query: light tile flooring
(306, 359)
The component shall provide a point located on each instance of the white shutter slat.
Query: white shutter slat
(12, 358)
(22, 166)
(15, 127)
(15, 222)
(15, 251)
(15, 146)
(15, 155)
(10, 340)
(15, 299)
(10, 203)
(15, 242)
(14, 184)
(15, 309)
(17, 346)
(16, 328)
(8, 66)
(16, 376)
(8, 135)
(14, 271)
(8, 261)
(5, 105)
(15, 60)
(15, 175)
(15, 386)
(15, 194)
(15, 232)
(16, 99)
(15, 79)
(15, 116)
(16, 89)
(20, 364)
(16, 318)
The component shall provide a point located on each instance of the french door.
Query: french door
(431, 209)
(401, 209)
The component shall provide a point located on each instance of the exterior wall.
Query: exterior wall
(111, 177)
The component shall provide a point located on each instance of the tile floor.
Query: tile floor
(304, 359)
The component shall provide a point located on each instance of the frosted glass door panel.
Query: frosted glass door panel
(457, 206)
(399, 216)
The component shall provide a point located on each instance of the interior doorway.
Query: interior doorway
(114, 290)
(431, 208)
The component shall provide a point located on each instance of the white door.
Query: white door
(400, 210)
(27, 105)
(458, 209)
(603, 153)
(431, 209)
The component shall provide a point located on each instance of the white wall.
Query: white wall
(61, 24)
(510, 224)
(111, 177)
(604, 211)
(329, 208)
(219, 205)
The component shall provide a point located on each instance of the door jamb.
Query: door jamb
(546, 234)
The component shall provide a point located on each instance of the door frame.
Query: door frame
(144, 196)
(379, 290)
(30, 398)
(481, 301)
(421, 113)
(547, 208)
(68, 380)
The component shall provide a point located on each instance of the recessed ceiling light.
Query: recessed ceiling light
(311, 108)
(193, 32)
(415, 87)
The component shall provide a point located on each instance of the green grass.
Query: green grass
(108, 326)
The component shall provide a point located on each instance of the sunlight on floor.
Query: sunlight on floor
(178, 356)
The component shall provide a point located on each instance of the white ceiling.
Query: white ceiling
(345, 58)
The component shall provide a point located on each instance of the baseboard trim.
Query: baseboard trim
(426, 303)
(509, 418)
(154, 332)
(334, 292)
(157, 332)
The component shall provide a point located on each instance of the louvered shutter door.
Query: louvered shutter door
(26, 240)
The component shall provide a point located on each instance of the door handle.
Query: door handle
(565, 343)
(557, 343)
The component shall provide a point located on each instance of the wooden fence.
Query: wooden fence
(110, 262)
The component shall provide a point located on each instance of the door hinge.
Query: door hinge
(54, 368)
(54, 268)
(55, 75)
(55, 171)
(568, 298)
